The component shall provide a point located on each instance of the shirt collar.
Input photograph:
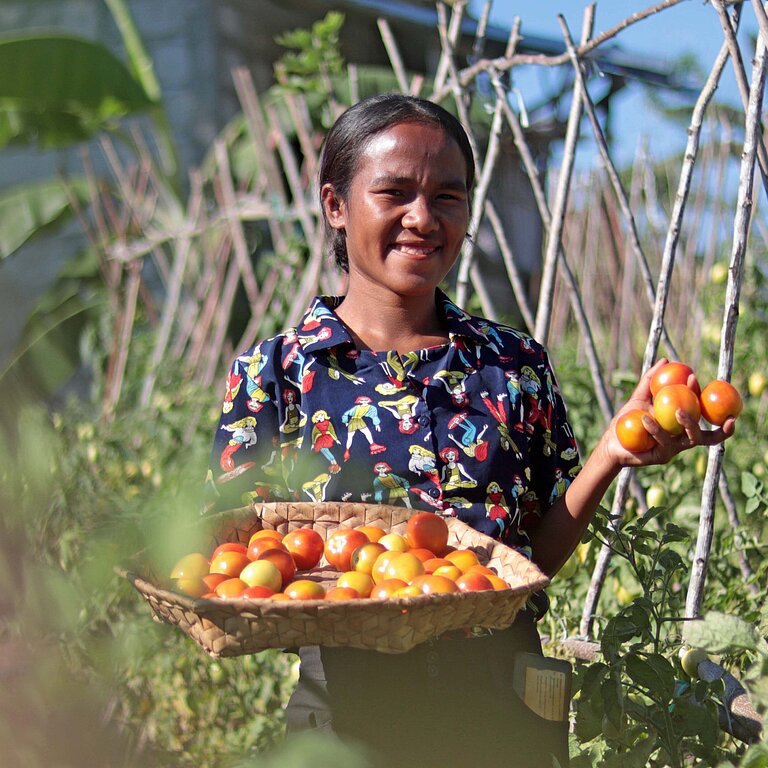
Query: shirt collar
(321, 328)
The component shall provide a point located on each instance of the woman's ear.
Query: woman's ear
(334, 207)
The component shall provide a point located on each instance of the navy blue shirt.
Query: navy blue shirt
(475, 428)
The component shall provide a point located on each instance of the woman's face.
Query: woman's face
(406, 213)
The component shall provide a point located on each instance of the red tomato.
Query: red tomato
(231, 588)
(432, 584)
(719, 401)
(667, 402)
(386, 588)
(257, 591)
(473, 581)
(671, 373)
(428, 531)
(306, 546)
(422, 553)
(266, 533)
(340, 545)
(257, 546)
(284, 562)
(631, 432)
(342, 593)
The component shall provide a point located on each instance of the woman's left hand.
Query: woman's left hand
(666, 446)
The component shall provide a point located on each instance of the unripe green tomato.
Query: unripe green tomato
(718, 274)
(569, 567)
(216, 673)
(690, 658)
(655, 496)
(757, 383)
(701, 465)
(758, 469)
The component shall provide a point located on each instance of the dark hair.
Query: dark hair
(353, 129)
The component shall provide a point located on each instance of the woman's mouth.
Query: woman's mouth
(416, 250)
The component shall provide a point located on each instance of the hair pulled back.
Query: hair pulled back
(351, 133)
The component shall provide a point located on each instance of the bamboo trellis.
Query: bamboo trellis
(180, 268)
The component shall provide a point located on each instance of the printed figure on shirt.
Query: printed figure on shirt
(397, 369)
(389, 488)
(356, 419)
(453, 381)
(234, 380)
(471, 441)
(453, 474)
(404, 410)
(243, 435)
(315, 489)
(324, 438)
(496, 507)
(254, 365)
(497, 411)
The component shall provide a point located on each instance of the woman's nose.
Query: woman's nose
(419, 216)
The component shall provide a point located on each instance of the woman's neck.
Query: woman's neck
(400, 323)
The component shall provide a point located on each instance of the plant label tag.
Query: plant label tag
(544, 685)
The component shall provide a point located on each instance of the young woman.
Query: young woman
(393, 393)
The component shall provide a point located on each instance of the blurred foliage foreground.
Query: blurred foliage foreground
(89, 678)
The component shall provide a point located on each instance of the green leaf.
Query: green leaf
(617, 631)
(720, 633)
(652, 672)
(57, 89)
(750, 485)
(671, 561)
(27, 208)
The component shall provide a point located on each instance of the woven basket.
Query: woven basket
(239, 626)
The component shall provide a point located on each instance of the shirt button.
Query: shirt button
(431, 670)
(434, 492)
(431, 657)
(424, 421)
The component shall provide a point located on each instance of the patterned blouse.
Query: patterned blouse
(475, 428)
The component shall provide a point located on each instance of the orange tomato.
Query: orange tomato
(379, 570)
(671, 373)
(193, 586)
(306, 546)
(212, 580)
(305, 589)
(340, 545)
(409, 590)
(431, 584)
(342, 593)
(473, 582)
(484, 569)
(265, 533)
(229, 546)
(669, 400)
(463, 559)
(231, 588)
(262, 573)
(373, 532)
(632, 434)
(365, 556)
(386, 588)
(284, 562)
(422, 554)
(192, 566)
(395, 542)
(362, 583)
(496, 581)
(279, 596)
(431, 565)
(257, 546)
(427, 530)
(404, 566)
(229, 562)
(258, 592)
(720, 400)
(450, 571)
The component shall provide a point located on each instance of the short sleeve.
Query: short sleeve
(245, 460)
(554, 455)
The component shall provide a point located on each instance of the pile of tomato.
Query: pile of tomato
(674, 387)
(362, 562)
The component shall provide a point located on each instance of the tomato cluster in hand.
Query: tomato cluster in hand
(371, 562)
(674, 388)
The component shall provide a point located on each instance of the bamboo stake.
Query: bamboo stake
(394, 53)
(450, 36)
(730, 320)
(544, 307)
(172, 296)
(626, 475)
